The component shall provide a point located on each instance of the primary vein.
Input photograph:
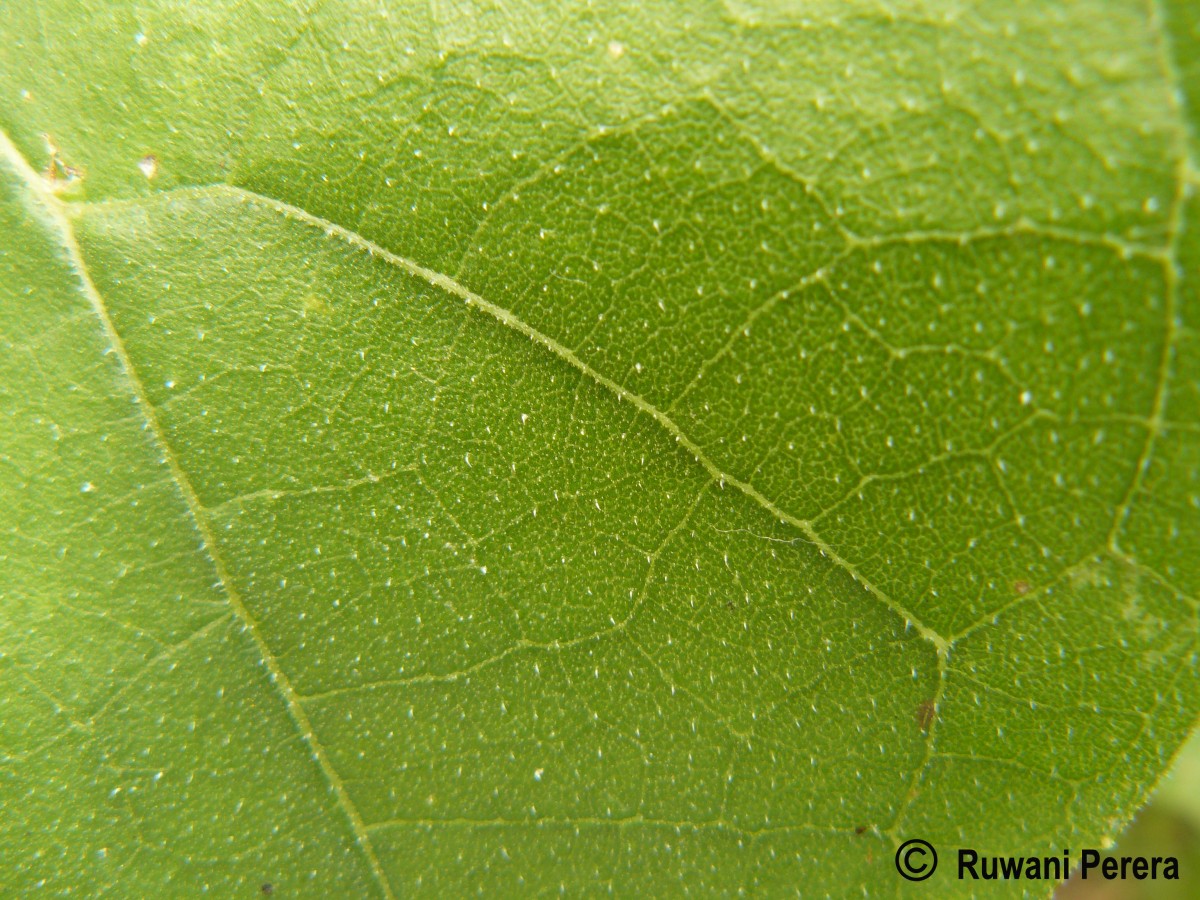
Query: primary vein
(50, 209)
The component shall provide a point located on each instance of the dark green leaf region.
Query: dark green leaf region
(554, 448)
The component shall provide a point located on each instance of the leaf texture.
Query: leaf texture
(531, 449)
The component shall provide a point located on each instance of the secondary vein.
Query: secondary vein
(511, 320)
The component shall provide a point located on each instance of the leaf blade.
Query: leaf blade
(422, 469)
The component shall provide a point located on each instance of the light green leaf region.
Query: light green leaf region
(537, 449)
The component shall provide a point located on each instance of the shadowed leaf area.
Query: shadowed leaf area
(531, 449)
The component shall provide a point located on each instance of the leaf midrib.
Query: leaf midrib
(50, 210)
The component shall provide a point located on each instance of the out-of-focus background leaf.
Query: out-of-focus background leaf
(1168, 826)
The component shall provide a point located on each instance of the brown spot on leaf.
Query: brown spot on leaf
(926, 713)
(57, 173)
(1021, 587)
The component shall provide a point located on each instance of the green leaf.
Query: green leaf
(1169, 825)
(532, 449)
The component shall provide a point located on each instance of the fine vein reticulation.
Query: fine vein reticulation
(595, 576)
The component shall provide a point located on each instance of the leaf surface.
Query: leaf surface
(531, 449)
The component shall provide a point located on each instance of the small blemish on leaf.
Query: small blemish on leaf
(926, 713)
(148, 165)
(1021, 587)
(267, 889)
(57, 173)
